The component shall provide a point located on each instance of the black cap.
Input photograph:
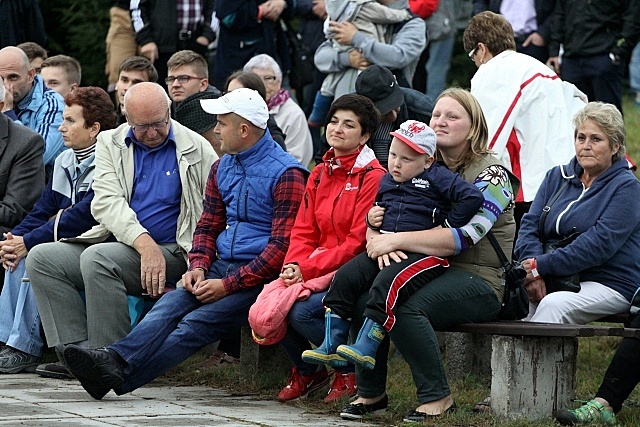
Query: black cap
(379, 85)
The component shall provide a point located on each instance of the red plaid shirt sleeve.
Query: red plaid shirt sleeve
(211, 223)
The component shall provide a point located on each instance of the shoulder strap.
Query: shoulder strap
(546, 209)
(496, 247)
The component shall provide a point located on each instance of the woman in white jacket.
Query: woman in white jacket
(527, 107)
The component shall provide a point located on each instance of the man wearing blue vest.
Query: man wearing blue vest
(251, 200)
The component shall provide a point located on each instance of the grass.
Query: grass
(594, 355)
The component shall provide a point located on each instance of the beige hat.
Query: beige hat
(247, 103)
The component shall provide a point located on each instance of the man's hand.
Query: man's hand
(153, 266)
(375, 215)
(12, 250)
(319, 9)
(536, 290)
(342, 32)
(150, 51)
(192, 279)
(291, 274)
(209, 291)
(554, 63)
(358, 61)
(534, 39)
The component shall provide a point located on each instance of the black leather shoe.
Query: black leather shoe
(418, 417)
(97, 370)
(359, 410)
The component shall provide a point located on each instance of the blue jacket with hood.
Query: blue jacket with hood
(607, 216)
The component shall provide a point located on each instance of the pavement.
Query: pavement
(30, 400)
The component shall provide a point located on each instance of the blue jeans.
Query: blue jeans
(306, 324)
(438, 65)
(634, 69)
(179, 325)
(19, 318)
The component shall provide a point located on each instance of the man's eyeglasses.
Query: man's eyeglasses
(472, 53)
(181, 79)
(158, 126)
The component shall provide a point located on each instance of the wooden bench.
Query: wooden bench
(533, 365)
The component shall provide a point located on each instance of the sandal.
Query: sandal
(483, 406)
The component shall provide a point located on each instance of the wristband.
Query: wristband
(534, 269)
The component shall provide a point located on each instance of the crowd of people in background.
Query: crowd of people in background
(203, 188)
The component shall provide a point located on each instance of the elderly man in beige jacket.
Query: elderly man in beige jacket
(149, 186)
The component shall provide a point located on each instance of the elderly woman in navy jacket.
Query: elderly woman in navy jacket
(600, 204)
(62, 211)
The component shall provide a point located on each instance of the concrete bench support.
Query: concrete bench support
(270, 358)
(532, 376)
(467, 354)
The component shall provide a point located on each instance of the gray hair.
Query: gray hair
(263, 62)
(608, 118)
(1, 89)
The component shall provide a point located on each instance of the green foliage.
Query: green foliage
(78, 28)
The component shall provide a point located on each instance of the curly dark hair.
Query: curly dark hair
(362, 107)
(96, 106)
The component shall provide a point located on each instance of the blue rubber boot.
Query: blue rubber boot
(321, 105)
(336, 332)
(363, 352)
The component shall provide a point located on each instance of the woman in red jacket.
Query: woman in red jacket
(329, 231)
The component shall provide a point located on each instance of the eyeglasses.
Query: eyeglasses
(158, 126)
(472, 53)
(269, 79)
(181, 79)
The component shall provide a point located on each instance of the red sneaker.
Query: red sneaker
(301, 385)
(343, 385)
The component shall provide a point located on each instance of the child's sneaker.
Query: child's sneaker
(590, 412)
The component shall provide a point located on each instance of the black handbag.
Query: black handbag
(515, 302)
(570, 283)
(302, 68)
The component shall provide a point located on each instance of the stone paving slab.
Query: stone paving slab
(29, 400)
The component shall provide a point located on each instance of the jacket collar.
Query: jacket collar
(573, 171)
(255, 153)
(351, 163)
(184, 142)
(33, 99)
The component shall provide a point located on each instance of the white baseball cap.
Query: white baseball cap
(418, 136)
(247, 103)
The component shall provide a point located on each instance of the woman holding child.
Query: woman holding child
(329, 231)
(470, 290)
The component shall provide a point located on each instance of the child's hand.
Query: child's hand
(375, 216)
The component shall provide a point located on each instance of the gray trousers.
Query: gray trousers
(106, 273)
